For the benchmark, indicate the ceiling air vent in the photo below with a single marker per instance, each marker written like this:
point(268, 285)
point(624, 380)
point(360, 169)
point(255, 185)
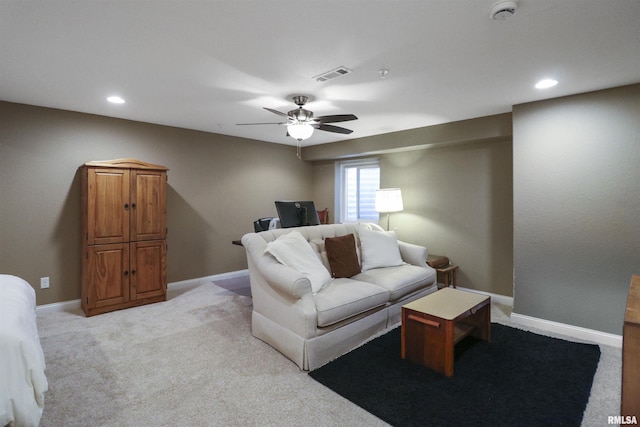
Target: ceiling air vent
point(340, 71)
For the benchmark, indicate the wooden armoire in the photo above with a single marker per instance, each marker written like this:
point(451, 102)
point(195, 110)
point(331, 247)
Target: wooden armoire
point(124, 231)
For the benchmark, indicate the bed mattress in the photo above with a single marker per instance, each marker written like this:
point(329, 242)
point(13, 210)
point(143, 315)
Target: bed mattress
point(22, 361)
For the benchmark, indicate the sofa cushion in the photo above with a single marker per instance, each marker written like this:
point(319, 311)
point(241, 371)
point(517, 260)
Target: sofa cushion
point(293, 250)
point(342, 255)
point(399, 281)
point(379, 249)
point(344, 298)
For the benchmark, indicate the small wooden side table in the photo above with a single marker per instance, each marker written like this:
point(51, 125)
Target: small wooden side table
point(449, 273)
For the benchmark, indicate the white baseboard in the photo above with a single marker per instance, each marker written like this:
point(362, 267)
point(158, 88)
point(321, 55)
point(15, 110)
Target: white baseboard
point(578, 332)
point(75, 304)
point(57, 306)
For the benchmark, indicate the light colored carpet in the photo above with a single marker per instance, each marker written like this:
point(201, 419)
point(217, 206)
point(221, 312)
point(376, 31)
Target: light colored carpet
point(192, 361)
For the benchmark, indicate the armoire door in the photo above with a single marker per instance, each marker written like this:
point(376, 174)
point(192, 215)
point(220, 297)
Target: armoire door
point(108, 281)
point(148, 269)
point(108, 206)
point(148, 203)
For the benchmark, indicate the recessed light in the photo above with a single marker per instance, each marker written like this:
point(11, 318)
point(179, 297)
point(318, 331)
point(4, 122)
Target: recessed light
point(115, 100)
point(546, 83)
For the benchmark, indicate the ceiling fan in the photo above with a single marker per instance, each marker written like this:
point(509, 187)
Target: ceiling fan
point(301, 123)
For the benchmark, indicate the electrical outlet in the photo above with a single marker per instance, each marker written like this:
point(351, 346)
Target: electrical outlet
point(44, 282)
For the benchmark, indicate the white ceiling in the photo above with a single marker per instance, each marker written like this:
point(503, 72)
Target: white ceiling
point(208, 65)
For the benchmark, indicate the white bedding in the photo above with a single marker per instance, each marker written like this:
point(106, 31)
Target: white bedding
point(22, 379)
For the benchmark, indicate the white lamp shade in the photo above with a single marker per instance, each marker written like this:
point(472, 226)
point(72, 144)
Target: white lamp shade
point(389, 200)
point(300, 131)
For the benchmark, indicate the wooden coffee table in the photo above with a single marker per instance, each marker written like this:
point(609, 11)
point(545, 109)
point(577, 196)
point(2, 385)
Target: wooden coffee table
point(432, 325)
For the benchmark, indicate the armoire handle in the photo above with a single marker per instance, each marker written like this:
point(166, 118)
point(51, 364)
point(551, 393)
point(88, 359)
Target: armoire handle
point(133, 205)
point(126, 205)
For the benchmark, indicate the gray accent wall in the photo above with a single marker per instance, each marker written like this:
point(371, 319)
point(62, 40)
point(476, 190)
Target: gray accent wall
point(576, 184)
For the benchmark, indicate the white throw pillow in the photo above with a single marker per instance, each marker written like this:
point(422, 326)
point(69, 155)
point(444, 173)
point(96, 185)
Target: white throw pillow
point(293, 250)
point(321, 251)
point(379, 249)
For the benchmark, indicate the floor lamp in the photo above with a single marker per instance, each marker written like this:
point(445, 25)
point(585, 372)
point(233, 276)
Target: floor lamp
point(389, 200)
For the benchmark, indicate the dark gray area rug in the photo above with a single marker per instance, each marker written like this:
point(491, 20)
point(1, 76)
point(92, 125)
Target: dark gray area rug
point(519, 378)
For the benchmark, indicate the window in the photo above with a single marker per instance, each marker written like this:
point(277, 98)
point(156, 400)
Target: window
point(356, 185)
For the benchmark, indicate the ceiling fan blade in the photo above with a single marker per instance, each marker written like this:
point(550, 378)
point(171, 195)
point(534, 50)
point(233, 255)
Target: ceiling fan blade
point(331, 128)
point(276, 112)
point(336, 118)
point(270, 123)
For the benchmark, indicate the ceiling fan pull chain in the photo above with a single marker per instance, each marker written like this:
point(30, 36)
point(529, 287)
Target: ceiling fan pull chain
point(299, 154)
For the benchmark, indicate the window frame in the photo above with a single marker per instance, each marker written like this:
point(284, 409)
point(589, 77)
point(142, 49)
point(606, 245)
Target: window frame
point(340, 185)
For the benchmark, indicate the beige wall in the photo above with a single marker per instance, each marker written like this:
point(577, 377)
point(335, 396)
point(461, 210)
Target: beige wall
point(478, 129)
point(573, 157)
point(457, 191)
point(458, 203)
point(217, 186)
point(324, 187)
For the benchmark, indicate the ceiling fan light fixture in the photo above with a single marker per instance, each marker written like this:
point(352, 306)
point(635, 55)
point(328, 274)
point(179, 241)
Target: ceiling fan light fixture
point(301, 122)
point(301, 114)
point(300, 131)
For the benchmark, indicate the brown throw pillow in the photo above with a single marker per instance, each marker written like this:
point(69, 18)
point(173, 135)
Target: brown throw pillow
point(343, 258)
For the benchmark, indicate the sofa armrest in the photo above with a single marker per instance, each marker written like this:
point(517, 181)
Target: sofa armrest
point(269, 271)
point(284, 278)
point(413, 254)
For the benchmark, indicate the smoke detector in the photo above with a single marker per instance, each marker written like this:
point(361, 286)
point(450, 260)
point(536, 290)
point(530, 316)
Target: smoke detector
point(503, 10)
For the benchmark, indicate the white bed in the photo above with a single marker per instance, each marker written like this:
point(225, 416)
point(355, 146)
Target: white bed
point(22, 378)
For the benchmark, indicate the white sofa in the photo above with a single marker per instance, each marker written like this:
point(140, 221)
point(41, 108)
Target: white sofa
point(314, 327)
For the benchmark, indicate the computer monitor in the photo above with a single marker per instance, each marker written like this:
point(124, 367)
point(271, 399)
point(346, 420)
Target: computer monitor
point(297, 213)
